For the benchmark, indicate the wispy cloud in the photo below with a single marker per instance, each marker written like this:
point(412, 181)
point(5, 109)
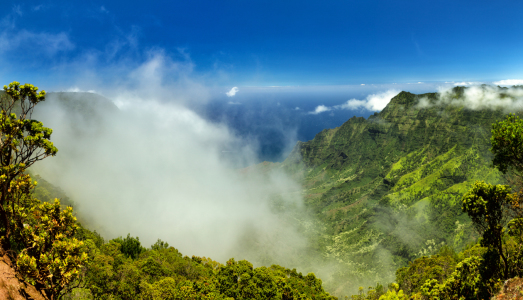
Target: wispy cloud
point(509, 82)
point(319, 109)
point(479, 97)
point(17, 10)
point(22, 40)
point(233, 103)
point(197, 200)
point(467, 83)
point(37, 7)
point(41, 42)
point(374, 102)
point(75, 89)
point(232, 92)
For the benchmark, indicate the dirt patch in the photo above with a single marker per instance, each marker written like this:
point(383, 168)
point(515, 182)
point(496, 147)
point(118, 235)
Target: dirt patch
point(512, 290)
point(11, 288)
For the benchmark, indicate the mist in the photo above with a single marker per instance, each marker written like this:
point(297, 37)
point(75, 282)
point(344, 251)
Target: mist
point(478, 97)
point(152, 167)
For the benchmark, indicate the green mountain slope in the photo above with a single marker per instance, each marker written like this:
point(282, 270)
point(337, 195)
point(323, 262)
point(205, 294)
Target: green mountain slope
point(388, 188)
point(383, 190)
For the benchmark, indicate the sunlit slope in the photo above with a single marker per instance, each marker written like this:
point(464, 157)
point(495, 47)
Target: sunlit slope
point(389, 187)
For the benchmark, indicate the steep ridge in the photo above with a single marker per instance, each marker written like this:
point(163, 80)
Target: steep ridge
point(388, 188)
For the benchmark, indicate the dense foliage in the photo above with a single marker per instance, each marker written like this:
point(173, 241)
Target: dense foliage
point(388, 189)
point(162, 272)
point(479, 271)
point(38, 237)
point(395, 197)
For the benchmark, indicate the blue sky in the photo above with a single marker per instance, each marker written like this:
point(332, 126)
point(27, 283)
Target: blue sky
point(222, 44)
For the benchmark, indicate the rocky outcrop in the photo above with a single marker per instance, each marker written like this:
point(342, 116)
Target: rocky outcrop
point(11, 288)
point(512, 290)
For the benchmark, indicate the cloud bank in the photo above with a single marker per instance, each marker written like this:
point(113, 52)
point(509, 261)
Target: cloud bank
point(156, 169)
point(509, 82)
point(480, 97)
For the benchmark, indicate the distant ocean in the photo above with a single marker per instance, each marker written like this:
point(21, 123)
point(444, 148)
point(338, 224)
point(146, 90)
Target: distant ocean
point(275, 122)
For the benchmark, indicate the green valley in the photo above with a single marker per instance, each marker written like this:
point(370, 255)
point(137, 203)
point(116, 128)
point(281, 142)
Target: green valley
point(392, 209)
point(388, 189)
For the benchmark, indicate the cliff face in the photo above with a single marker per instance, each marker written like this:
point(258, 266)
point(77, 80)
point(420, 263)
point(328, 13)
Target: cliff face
point(388, 188)
point(398, 148)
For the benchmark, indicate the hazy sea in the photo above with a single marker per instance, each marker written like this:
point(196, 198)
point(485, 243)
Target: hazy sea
point(273, 123)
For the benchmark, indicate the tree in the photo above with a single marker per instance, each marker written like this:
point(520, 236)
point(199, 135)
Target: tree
point(38, 236)
point(52, 258)
point(489, 207)
point(23, 142)
point(130, 246)
point(507, 144)
point(494, 208)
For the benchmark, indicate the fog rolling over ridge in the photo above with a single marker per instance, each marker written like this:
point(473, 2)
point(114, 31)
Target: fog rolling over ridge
point(158, 170)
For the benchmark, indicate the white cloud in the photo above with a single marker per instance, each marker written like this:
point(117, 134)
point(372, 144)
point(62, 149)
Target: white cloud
point(480, 97)
point(319, 109)
point(509, 82)
point(40, 42)
point(232, 92)
point(162, 171)
point(233, 103)
point(363, 84)
point(467, 83)
point(297, 108)
point(374, 102)
point(75, 89)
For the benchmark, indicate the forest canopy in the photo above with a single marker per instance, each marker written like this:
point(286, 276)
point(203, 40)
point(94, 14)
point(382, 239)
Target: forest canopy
point(52, 251)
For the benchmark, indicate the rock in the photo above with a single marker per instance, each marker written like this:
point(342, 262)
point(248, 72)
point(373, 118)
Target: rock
point(512, 290)
point(11, 288)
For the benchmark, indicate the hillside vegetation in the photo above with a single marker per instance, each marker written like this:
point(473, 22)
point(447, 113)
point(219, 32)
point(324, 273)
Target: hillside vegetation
point(409, 202)
point(389, 189)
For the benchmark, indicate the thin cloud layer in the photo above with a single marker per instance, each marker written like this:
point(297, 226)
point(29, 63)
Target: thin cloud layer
point(374, 102)
point(480, 97)
point(13, 38)
point(509, 82)
point(467, 83)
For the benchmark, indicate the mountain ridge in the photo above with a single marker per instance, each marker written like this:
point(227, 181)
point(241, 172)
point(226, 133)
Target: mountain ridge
point(388, 188)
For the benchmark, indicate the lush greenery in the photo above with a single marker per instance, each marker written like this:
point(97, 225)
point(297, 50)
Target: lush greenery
point(39, 237)
point(416, 194)
point(477, 272)
point(51, 251)
point(388, 189)
point(115, 270)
